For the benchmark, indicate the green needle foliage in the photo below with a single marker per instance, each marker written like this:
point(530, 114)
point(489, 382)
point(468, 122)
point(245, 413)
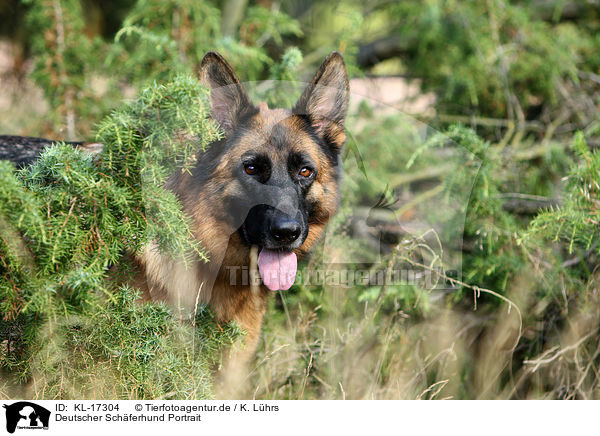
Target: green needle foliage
point(577, 220)
point(66, 58)
point(128, 350)
point(69, 219)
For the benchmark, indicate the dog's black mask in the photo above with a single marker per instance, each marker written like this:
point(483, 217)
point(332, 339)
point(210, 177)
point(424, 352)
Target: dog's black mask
point(277, 213)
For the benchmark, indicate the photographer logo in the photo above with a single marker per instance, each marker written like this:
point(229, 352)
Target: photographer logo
point(26, 415)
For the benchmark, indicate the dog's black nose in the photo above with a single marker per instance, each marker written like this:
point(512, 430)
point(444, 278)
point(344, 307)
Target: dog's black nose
point(285, 230)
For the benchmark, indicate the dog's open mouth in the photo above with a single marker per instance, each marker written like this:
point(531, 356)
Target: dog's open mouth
point(277, 268)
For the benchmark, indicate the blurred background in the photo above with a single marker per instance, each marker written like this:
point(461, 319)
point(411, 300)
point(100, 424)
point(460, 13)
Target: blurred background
point(471, 165)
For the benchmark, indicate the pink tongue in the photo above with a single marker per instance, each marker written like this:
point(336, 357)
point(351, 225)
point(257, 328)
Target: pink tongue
point(277, 268)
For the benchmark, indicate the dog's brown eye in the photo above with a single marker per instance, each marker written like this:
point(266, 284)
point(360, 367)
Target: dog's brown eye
point(250, 170)
point(305, 172)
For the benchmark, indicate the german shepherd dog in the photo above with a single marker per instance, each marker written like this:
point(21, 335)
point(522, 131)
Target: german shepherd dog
point(271, 183)
point(259, 197)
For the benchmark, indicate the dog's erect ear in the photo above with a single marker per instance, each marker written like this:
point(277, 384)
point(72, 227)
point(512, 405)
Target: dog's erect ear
point(325, 100)
point(228, 99)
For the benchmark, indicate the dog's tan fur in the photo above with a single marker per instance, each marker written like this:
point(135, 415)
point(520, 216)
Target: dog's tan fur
point(208, 283)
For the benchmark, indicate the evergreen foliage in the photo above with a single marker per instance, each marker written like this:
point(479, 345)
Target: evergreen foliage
point(509, 65)
point(577, 220)
point(127, 350)
point(69, 218)
point(65, 60)
point(162, 38)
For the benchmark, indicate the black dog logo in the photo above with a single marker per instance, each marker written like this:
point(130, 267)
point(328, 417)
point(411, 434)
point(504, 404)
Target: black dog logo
point(30, 415)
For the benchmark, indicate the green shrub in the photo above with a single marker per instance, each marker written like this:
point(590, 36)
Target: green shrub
point(68, 220)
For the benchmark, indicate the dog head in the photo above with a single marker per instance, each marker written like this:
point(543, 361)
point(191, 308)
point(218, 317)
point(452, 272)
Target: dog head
point(276, 172)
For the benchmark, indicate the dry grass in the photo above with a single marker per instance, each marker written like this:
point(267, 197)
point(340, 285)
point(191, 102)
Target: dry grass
point(450, 352)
